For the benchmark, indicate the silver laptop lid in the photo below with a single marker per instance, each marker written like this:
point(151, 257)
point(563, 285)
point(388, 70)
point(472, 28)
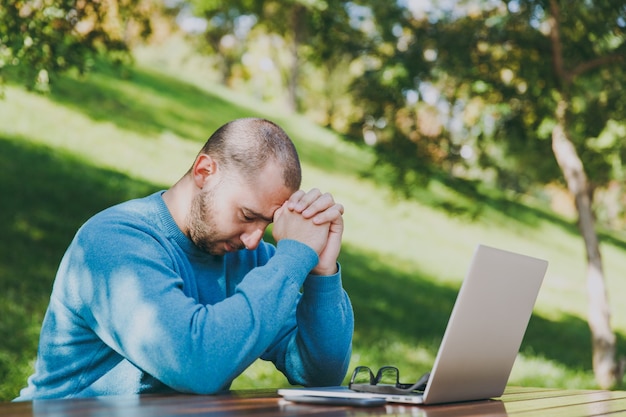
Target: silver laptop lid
point(486, 327)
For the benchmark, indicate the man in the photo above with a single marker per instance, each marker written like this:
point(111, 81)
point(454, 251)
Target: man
point(178, 291)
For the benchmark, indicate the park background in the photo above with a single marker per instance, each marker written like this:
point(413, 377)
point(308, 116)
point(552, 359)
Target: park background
point(432, 147)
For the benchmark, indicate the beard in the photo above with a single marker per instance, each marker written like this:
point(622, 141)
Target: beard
point(203, 228)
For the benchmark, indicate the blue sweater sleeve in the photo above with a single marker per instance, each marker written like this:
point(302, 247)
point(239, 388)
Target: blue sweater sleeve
point(318, 349)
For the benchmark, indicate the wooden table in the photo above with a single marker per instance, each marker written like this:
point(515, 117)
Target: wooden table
point(515, 402)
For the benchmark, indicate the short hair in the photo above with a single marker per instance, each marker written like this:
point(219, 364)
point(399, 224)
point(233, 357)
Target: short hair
point(246, 145)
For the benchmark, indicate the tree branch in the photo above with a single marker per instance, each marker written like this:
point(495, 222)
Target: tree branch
point(557, 51)
point(592, 64)
point(555, 38)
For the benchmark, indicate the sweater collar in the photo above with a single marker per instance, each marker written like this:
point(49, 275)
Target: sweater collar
point(172, 230)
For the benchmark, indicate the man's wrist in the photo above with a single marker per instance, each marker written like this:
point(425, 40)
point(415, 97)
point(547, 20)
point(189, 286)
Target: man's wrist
point(325, 272)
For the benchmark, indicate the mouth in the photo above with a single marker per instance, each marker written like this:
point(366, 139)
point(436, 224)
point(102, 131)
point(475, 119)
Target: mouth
point(229, 247)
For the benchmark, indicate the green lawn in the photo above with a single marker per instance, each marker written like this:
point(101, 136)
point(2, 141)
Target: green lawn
point(101, 140)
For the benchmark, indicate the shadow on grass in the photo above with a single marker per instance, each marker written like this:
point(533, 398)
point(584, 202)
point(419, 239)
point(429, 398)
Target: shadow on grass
point(392, 305)
point(567, 341)
point(151, 103)
point(145, 102)
point(472, 201)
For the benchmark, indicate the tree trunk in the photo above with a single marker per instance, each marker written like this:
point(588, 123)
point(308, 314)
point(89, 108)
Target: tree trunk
point(605, 367)
point(298, 29)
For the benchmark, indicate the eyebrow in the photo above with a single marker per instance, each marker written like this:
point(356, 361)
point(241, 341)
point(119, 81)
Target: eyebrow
point(253, 213)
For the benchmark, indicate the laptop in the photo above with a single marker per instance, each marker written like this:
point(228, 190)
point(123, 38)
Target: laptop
point(481, 340)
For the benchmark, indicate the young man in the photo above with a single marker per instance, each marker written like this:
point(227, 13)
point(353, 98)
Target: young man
point(178, 291)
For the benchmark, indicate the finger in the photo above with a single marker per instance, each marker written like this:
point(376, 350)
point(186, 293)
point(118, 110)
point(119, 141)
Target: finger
point(307, 200)
point(279, 211)
point(294, 199)
point(331, 215)
point(322, 203)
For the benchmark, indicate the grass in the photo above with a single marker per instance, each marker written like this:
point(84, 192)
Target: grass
point(101, 140)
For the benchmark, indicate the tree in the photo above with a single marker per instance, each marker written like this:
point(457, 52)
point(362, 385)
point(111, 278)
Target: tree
point(41, 39)
point(313, 32)
point(285, 19)
point(407, 144)
point(227, 25)
point(335, 39)
point(526, 79)
point(608, 370)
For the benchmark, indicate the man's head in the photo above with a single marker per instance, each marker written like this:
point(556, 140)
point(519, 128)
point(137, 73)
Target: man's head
point(246, 170)
point(246, 145)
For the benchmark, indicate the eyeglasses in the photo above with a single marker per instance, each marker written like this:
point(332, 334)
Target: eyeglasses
point(386, 381)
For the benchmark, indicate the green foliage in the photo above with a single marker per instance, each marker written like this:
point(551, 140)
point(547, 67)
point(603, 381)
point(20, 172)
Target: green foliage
point(39, 40)
point(494, 72)
point(316, 34)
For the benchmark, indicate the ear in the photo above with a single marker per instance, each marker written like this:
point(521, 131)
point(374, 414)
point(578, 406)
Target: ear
point(203, 169)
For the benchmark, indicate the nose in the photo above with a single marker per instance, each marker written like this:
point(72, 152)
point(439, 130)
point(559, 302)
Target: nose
point(251, 238)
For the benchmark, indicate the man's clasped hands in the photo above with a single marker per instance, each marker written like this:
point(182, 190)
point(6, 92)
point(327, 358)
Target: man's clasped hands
point(315, 219)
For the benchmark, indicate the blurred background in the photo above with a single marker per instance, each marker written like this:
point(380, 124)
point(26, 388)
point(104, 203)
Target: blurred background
point(438, 124)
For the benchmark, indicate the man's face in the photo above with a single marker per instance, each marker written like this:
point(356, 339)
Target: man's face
point(230, 213)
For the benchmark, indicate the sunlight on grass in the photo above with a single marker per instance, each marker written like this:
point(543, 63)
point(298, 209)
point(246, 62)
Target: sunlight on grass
point(539, 372)
point(261, 374)
point(161, 160)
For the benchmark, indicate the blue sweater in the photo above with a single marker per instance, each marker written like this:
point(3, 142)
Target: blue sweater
point(136, 307)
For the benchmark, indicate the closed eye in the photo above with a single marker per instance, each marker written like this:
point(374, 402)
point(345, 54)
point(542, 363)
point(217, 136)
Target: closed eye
point(251, 216)
point(248, 218)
